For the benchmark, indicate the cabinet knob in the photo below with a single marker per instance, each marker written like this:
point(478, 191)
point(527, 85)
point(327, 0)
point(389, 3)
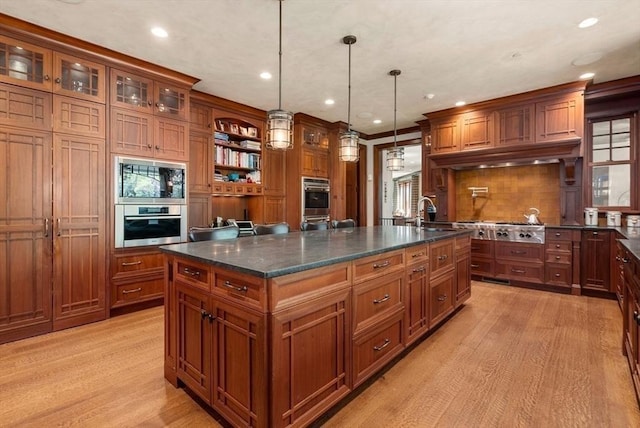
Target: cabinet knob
point(557, 234)
point(46, 77)
point(149, 146)
point(557, 257)
point(157, 147)
point(57, 80)
point(150, 103)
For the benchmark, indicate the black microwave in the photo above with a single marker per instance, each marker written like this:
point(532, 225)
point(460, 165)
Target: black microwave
point(144, 181)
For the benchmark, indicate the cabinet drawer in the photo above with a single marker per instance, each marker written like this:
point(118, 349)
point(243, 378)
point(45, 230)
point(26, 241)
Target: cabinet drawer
point(558, 235)
point(480, 247)
point(559, 246)
point(124, 264)
point(518, 251)
point(375, 299)
point(217, 188)
point(558, 274)
point(520, 271)
point(561, 258)
point(245, 288)
point(441, 298)
point(374, 350)
point(482, 267)
point(463, 244)
point(379, 264)
point(133, 292)
point(193, 273)
point(441, 257)
point(417, 253)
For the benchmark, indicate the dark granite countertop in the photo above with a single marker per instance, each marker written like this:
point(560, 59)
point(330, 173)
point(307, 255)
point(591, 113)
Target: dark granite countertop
point(633, 245)
point(269, 256)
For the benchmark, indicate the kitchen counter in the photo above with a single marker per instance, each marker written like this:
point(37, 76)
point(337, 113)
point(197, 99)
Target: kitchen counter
point(269, 256)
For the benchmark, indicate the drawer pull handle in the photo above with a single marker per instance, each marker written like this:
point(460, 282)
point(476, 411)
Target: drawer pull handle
point(242, 289)
point(518, 271)
point(595, 233)
point(135, 290)
point(557, 245)
point(443, 257)
point(557, 234)
point(384, 299)
point(557, 257)
point(46, 227)
point(625, 260)
point(381, 347)
point(381, 265)
point(475, 266)
point(417, 255)
point(131, 263)
point(442, 298)
point(518, 252)
point(206, 316)
point(420, 269)
point(188, 271)
point(557, 275)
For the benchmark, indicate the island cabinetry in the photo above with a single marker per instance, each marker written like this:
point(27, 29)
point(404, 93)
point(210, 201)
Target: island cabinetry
point(148, 117)
point(558, 257)
point(483, 257)
point(463, 271)
point(136, 276)
point(310, 343)
point(631, 318)
point(520, 262)
point(622, 257)
point(416, 295)
point(596, 252)
point(442, 278)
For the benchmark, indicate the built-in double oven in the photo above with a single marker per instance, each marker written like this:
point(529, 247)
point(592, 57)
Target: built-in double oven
point(150, 202)
point(315, 199)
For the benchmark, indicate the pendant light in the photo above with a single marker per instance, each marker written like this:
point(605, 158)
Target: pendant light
point(395, 156)
point(279, 122)
point(349, 139)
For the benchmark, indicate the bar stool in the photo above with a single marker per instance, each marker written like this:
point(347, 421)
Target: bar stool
point(340, 224)
point(213, 233)
point(271, 229)
point(321, 225)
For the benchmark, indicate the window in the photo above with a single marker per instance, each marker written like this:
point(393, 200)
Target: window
point(611, 159)
point(403, 202)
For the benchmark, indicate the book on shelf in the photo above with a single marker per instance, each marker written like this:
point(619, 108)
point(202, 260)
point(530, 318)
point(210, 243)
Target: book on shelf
point(221, 136)
point(249, 144)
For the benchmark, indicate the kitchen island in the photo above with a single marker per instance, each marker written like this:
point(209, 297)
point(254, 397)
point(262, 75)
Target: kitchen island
point(274, 330)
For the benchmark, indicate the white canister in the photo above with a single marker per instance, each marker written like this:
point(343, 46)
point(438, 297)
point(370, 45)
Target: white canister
point(633, 221)
point(614, 218)
point(590, 216)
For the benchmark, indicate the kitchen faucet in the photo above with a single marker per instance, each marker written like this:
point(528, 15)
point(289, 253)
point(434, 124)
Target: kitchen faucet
point(421, 202)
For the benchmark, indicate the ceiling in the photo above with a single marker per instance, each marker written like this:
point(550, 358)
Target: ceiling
point(467, 50)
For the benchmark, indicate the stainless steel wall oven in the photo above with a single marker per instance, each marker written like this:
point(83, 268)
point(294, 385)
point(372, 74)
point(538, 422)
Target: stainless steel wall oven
point(139, 225)
point(315, 199)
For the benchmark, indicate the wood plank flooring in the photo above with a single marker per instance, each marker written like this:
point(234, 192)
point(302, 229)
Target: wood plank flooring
point(510, 358)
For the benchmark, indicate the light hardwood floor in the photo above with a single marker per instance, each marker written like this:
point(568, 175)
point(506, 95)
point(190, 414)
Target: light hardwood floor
point(510, 358)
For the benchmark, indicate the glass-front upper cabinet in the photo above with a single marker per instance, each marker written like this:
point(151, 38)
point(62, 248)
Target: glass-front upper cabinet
point(25, 64)
point(79, 78)
point(131, 91)
point(611, 161)
point(171, 101)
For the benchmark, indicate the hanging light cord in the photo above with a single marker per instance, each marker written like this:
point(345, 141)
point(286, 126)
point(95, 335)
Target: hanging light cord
point(349, 98)
point(280, 60)
point(395, 97)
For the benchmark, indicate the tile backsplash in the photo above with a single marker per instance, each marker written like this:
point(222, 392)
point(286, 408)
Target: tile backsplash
point(512, 191)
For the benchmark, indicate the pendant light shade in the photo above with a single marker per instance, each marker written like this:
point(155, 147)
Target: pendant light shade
point(279, 122)
point(395, 156)
point(349, 150)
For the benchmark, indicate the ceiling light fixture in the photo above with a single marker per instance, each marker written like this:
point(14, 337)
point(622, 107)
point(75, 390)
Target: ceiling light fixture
point(265, 75)
point(460, 103)
point(349, 140)
point(329, 102)
point(395, 156)
point(585, 76)
point(377, 121)
point(279, 122)
point(159, 32)
point(588, 22)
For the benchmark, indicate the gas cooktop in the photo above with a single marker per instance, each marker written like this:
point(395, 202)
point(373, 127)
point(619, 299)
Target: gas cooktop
point(503, 231)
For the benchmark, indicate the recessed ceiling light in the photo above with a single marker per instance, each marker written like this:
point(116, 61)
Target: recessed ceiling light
point(265, 75)
point(460, 103)
point(588, 22)
point(329, 102)
point(159, 32)
point(377, 121)
point(429, 96)
point(587, 75)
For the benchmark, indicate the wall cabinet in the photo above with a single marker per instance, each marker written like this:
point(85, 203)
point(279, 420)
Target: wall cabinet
point(445, 135)
point(560, 118)
point(515, 125)
point(596, 250)
point(477, 130)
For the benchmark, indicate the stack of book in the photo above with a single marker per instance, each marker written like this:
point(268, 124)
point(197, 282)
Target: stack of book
point(248, 144)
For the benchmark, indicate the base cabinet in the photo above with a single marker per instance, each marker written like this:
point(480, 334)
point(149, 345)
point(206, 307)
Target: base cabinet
point(631, 317)
point(596, 260)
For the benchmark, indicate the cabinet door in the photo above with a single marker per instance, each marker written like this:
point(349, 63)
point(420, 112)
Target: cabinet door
point(274, 172)
point(25, 233)
point(79, 78)
point(477, 130)
point(308, 165)
point(516, 125)
point(441, 298)
point(240, 375)
point(199, 210)
point(131, 91)
point(200, 162)
point(310, 338)
point(274, 209)
point(25, 107)
point(322, 163)
point(194, 322)
point(79, 242)
point(200, 118)
point(171, 101)
point(315, 137)
point(595, 269)
point(25, 64)
point(463, 278)
point(131, 133)
point(416, 301)
point(80, 117)
point(445, 135)
point(560, 118)
point(171, 139)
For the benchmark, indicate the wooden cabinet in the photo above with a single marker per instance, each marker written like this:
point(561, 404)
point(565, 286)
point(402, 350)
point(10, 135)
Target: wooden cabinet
point(416, 294)
point(445, 135)
point(79, 117)
point(79, 78)
point(515, 125)
point(201, 167)
point(22, 107)
point(136, 276)
point(558, 257)
point(315, 150)
point(441, 297)
point(560, 118)
point(596, 251)
point(622, 257)
point(26, 64)
point(631, 318)
point(483, 257)
point(520, 262)
point(148, 118)
point(463, 270)
point(477, 130)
